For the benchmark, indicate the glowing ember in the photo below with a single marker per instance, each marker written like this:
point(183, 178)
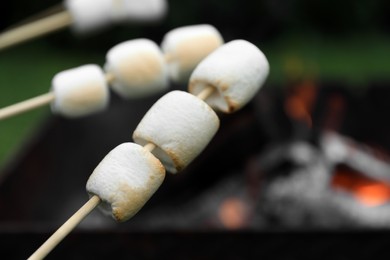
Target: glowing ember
point(370, 192)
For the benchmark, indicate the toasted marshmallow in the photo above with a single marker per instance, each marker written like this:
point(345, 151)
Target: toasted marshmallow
point(236, 70)
point(90, 15)
point(138, 68)
point(186, 46)
point(180, 125)
point(80, 91)
point(125, 180)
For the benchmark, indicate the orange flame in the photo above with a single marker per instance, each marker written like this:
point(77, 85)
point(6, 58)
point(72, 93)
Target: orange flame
point(370, 192)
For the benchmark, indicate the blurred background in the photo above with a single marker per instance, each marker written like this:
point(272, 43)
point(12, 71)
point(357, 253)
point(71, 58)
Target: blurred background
point(310, 153)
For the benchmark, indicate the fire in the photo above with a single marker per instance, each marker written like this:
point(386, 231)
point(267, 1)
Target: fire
point(371, 193)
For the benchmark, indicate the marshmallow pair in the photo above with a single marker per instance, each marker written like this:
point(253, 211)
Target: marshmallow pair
point(137, 68)
point(134, 69)
point(90, 15)
point(180, 125)
point(139, 65)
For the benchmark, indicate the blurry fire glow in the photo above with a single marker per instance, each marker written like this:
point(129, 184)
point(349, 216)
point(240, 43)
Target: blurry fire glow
point(368, 191)
point(233, 213)
point(300, 103)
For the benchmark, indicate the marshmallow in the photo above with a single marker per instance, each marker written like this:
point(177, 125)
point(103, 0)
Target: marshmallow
point(80, 91)
point(180, 125)
point(89, 15)
point(138, 10)
point(236, 70)
point(94, 14)
point(125, 180)
point(186, 46)
point(138, 68)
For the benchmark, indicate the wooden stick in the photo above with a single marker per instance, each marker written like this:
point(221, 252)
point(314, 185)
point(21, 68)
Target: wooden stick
point(150, 147)
point(55, 9)
point(35, 29)
point(206, 93)
point(26, 105)
point(168, 57)
point(65, 229)
point(110, 78)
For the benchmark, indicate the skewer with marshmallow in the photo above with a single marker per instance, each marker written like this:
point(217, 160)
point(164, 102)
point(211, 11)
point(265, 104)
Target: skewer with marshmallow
point(134, 68)
point(85, 16)
point(171, 135)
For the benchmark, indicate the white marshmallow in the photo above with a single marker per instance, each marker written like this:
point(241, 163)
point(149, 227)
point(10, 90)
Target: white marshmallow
point(94, 14)
point(138, 68)
point(138, 10)
point(236, 70)
point(125, 180)
point(186, 46)
point(80, 91)
point(89, 14)
point(180, 125)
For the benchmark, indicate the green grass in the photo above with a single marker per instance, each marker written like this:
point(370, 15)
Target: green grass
point(356, 59)
point(26, 71)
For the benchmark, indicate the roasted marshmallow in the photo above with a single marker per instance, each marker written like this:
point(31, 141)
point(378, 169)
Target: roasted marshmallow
point(236, 70)
point(125, 180)
point(180, 125)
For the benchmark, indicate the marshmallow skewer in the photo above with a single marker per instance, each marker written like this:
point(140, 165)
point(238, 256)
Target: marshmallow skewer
point(129, 175)
point(85, 16)
point(133, 69)
point(35, 102)
point(85, 210)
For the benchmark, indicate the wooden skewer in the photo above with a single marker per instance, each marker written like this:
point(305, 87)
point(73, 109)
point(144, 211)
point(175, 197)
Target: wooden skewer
point(110, 78)
point(35, 29)
point(65, 229)
point(150, 147)
point(83, 212)
point(26, 105)
point(205, 93)
point(168, 57)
